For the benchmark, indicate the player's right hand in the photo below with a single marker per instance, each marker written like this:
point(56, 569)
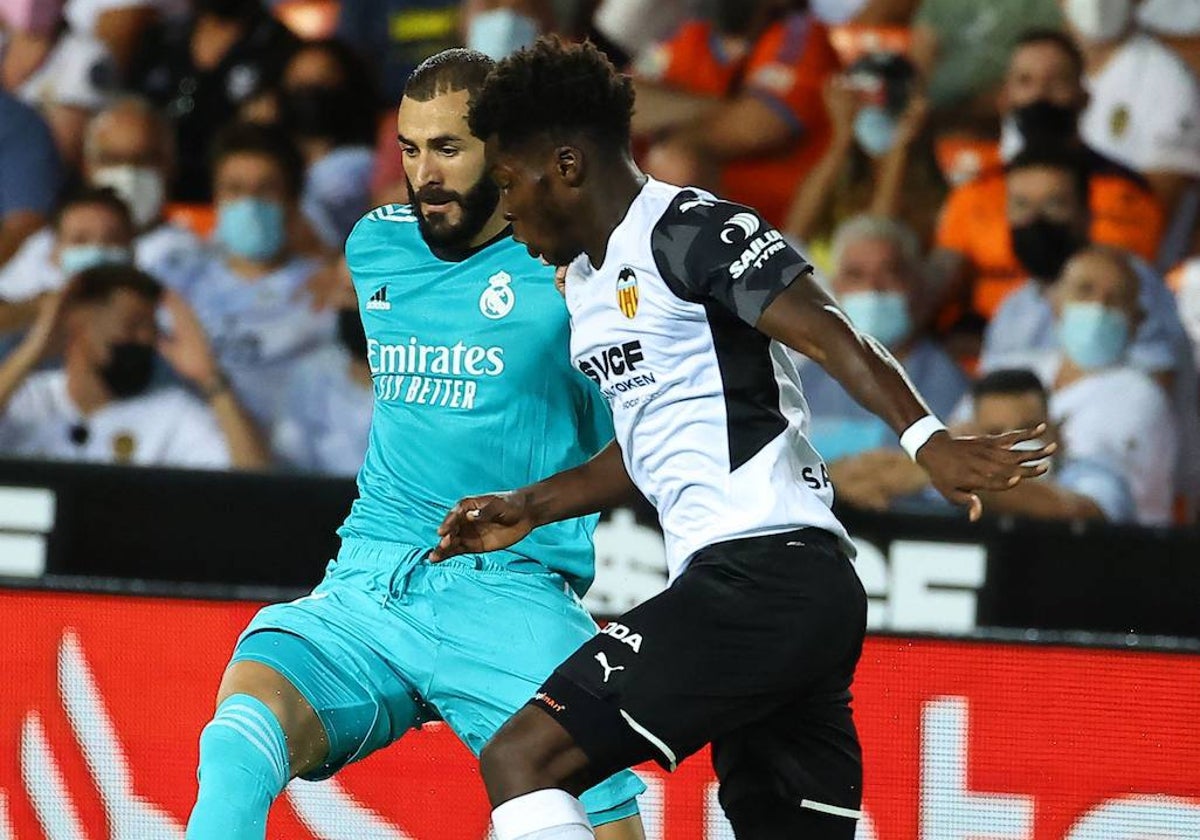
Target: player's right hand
point(480, 524)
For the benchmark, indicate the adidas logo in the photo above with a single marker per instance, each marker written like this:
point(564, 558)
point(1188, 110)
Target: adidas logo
point(379, 299)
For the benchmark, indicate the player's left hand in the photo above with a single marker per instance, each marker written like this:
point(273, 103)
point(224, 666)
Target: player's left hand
point(960, 466)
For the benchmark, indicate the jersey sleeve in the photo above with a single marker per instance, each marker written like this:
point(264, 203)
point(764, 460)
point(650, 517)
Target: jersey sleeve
point(711, 250)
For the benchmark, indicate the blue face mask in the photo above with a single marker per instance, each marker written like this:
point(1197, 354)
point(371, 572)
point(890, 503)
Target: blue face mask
point(76, 258)
point(883, 315)
point(875, 130)
point(251, 228)
point(1092, 335)
point(501, 32)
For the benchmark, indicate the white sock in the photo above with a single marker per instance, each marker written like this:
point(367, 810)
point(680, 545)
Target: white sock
point(550, 814)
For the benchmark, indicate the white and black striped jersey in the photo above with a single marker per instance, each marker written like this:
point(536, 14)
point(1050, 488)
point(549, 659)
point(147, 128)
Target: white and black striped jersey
point(708, 411)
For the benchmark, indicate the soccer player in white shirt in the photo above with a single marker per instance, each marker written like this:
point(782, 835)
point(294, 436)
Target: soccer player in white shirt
point(100, 405)
point(683, 310)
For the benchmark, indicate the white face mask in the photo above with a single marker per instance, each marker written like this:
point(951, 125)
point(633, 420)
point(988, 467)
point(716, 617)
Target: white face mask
point(1099, 20)
point(140, 187)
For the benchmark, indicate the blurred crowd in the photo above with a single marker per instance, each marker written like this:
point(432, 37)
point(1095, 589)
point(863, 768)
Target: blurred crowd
point(1004, 192)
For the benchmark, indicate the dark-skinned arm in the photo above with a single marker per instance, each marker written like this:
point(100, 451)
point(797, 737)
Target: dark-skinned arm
point(491, 522)
point(805, 318)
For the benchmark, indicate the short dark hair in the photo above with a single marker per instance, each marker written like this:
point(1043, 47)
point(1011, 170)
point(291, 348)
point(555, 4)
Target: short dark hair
point(1051, 155)
point(1057, 38)
point(1009, 382)
point(99, 283)
point(103, 196)
point(269, 141)
point(449, 71)
point(555, 87)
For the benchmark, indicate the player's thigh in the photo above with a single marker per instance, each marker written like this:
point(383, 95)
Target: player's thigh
point(502, 634)
point(324, 649)
point(747, 629)
point(806, 753)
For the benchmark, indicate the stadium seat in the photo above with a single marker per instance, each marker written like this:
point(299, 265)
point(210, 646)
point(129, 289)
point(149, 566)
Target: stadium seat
point(309, 19)
point(198, 218)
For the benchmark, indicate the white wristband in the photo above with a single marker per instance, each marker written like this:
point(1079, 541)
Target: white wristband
point(919, 433)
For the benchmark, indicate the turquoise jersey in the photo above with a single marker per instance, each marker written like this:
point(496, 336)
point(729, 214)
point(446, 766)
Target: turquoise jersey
point(474, 389)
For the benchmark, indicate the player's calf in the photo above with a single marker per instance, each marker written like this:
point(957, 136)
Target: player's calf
point(534, 772)
point(262, 734)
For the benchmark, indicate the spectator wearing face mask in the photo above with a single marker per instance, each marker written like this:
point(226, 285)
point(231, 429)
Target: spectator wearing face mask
point(91, 227)
point(128, 147)
point(327, 105)
point(875, 281)
point(100, 405)
point(200, 69)
point(329, 400)
point(1002, 401)
point(1108, 408)
point(878, 160)
point(1047, 217)
point(250, 292)
point(734, 102)
point(1041, 101)
point(1144, 99)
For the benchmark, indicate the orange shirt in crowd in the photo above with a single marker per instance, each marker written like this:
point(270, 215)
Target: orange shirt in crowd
point(786, 68)
point(974, 223)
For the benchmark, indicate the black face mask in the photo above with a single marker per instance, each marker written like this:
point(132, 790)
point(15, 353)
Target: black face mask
point(1043, 121)
point(1043, 247)
point(129, 369)
point(319, 113)
point(351, 333)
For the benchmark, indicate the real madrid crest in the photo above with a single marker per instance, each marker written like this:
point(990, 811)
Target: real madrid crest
point(498, 298)
point(627, 292)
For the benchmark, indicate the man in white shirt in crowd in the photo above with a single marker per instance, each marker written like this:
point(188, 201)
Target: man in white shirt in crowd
point(249, 293)
point(90, 227)
point(1145, 103)
point(1073, 488)
point(1108, 409)
point(876, 278)
point(100, 406)
point(326, 416)
point(129, 147)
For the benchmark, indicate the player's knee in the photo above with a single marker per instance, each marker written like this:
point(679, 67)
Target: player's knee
point(243, 746)
point(529, 753)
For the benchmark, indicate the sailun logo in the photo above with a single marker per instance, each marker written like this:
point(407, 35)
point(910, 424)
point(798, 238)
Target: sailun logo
point(744, 223)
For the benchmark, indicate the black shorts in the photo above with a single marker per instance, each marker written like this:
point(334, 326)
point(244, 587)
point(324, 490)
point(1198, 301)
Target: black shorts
point(752, 648)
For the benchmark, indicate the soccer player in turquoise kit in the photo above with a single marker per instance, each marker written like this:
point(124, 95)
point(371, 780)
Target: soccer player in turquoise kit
point(467, 341)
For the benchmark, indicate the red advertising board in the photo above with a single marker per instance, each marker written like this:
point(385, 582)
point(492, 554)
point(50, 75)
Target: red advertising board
point(103, 699)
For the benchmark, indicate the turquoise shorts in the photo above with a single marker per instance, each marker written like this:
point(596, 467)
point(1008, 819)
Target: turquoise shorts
point(388, 641)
